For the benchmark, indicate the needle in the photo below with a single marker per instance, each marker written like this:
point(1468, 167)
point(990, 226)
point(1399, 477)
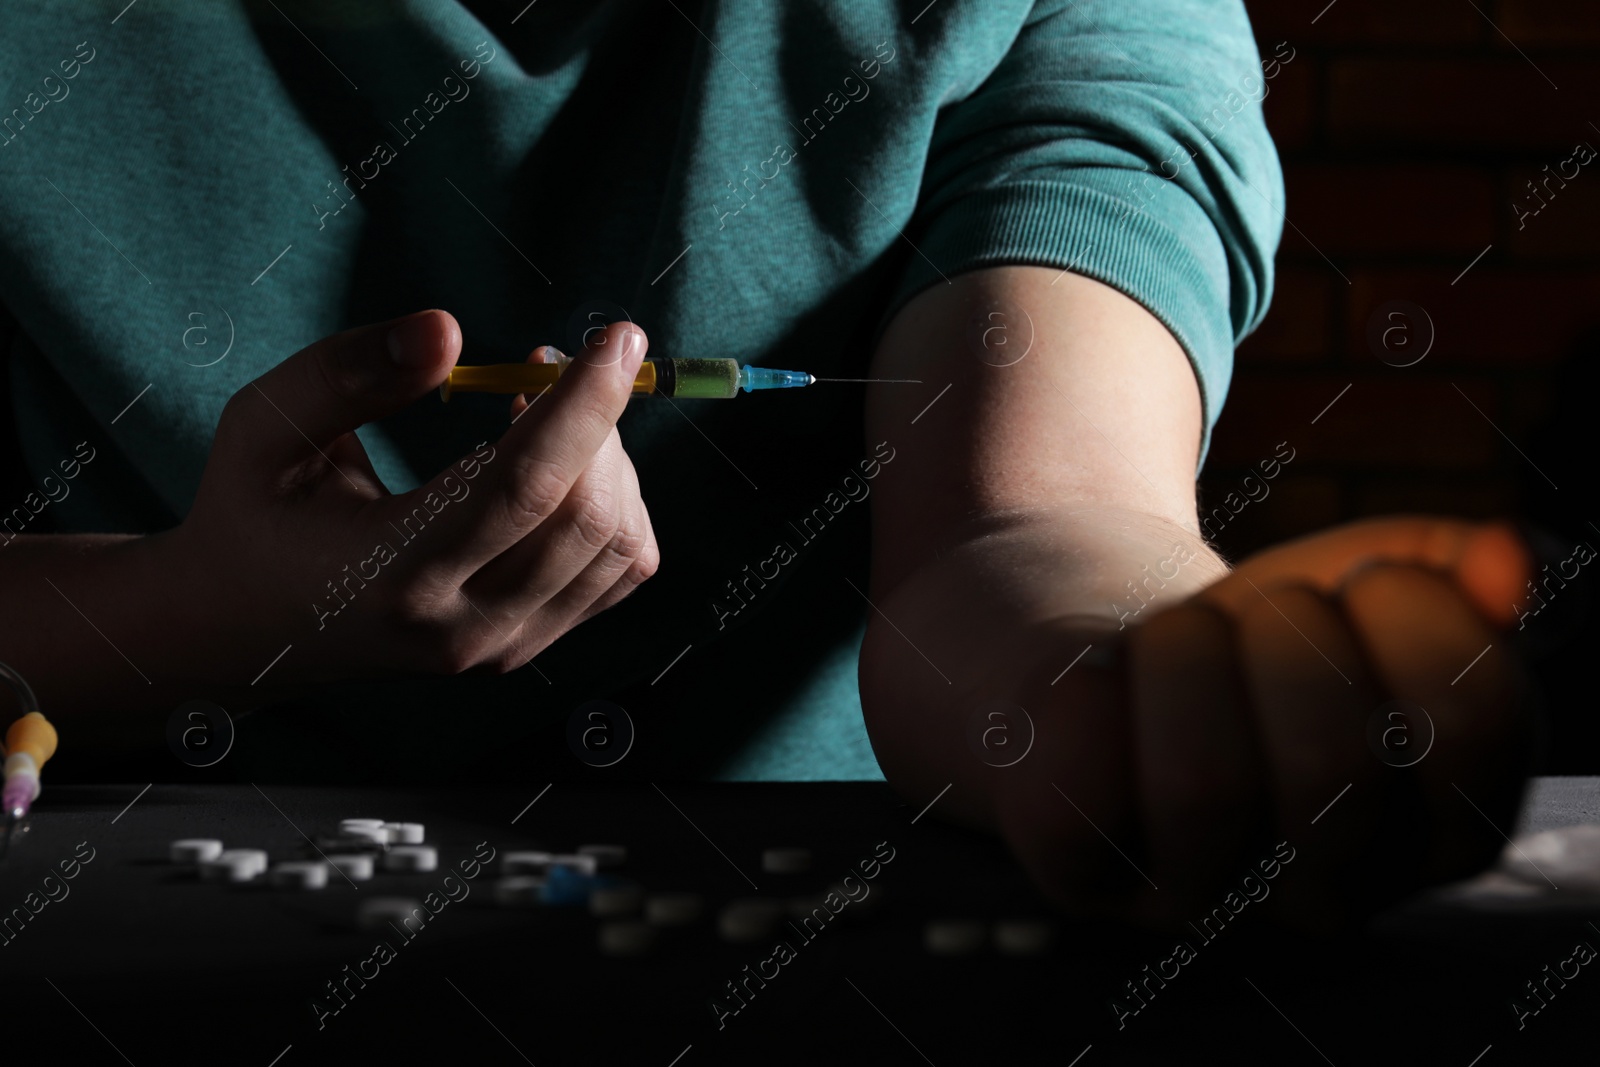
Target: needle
point(907, 381)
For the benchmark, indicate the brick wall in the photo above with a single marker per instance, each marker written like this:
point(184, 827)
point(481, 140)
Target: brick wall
point(1408, 131)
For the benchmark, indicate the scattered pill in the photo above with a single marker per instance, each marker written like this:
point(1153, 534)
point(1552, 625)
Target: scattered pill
point(540, 862)
point(357, 866)
point(369, 824)
point(1023, 937)
point(299, 874)
point(380, 835)
point(1569, 857)
point(525, 862)
point(564, 886)
point(379, 912)
point(786, 860)
point(611, 900)
point(519, 891)
point(752, 919)
point(406, 833)
point(952, 938)
point(625, 937)
point(194, 850)
point(234, 865)
point(672, 909)
point(411, 858)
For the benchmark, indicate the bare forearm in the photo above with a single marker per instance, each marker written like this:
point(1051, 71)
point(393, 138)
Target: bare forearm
point(102, 630)
point(1016, 532)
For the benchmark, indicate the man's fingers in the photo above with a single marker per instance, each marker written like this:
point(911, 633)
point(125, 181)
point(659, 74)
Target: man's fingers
point(627, 560)
point(1198, 763)
point(542, 354)
point(1424, 641)
point(1314, 695)
point(542, 455)
point(597, 518)
point(301, 406)
point(1489, 562)
point(1067, 809)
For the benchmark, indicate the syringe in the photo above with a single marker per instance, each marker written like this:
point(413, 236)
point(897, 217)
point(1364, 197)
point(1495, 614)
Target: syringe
point(678, 378)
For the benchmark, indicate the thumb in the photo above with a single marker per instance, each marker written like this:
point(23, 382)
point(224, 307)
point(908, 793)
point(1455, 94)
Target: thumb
point(330, 388)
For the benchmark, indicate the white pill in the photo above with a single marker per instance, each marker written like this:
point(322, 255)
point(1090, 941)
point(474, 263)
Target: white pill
point(743, 921)
point(952, 938)
point(379, 912)
point(786, 860)
point(194, 850)
point(369, 824)
point(625, 937)
point(672, 909)
point(519, 891)
point(411, 858)
point(256, 856)
point(524, 862)
point(616, 900)
point(1569, 857)
point(221, 870)
point(605, 855)
point(379, 835)
point(234, 865)
point(357, 867)
point(299, 874)
point(406, 833)
point(1023, 937)
point(539, 862)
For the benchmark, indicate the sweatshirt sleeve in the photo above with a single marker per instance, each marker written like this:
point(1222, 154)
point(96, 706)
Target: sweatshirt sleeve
point(1123, 140)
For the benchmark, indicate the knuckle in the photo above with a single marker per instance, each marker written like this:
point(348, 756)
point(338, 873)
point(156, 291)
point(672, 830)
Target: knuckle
point(438, 643)
point(1382, 579)
point(337, 376)
point(535, 492)
point(595, 518)
point(627, 543)
point(646, 563)
point(418, 611)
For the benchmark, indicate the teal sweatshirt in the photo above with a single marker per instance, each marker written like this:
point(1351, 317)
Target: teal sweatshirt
point(191, 191)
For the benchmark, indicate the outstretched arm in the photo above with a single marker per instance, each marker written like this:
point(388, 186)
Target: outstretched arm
point(1047, 505)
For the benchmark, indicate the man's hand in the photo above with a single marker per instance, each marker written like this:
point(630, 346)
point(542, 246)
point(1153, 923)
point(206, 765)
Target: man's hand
point(1236, 718)
point(487, 563)
point(294, 541)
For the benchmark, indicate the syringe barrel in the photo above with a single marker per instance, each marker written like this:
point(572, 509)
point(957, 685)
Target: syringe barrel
point(715, 379)
point(681, 378)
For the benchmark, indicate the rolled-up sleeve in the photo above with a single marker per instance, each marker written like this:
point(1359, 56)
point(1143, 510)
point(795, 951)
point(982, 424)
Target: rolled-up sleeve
point(1122, 140)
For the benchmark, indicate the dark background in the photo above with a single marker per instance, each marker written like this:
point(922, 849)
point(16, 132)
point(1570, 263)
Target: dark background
point(1408, 131)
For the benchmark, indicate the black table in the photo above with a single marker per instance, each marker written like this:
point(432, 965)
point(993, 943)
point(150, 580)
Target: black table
point(137, 961)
